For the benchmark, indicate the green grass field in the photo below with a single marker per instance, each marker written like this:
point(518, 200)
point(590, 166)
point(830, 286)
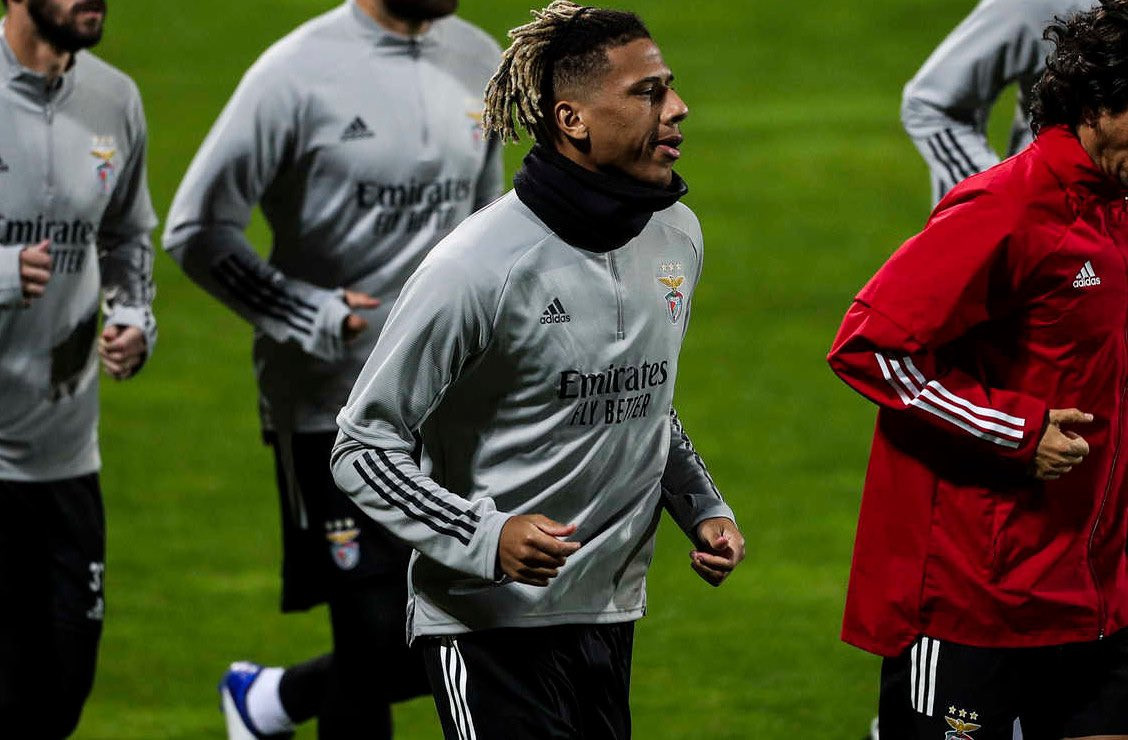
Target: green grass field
point(804, 183)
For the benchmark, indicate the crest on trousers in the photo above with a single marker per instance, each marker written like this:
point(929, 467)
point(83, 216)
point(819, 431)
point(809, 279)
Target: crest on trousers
point(103, 150)
point(669, 275)
point(343, 546)
point(961, 728)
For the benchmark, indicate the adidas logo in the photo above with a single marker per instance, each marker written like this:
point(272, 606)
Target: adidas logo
point(555, 313)
point(1086, 277)
point(356, 130)
point(3, 165)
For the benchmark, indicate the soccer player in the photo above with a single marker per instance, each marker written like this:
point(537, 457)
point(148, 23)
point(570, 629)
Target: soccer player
point(989, 567)
point(945, 107)
point(75, 218)
point(360, 136)
point(535, 351)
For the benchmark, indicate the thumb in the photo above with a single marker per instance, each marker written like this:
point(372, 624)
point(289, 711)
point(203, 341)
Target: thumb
point(356, 299)
point(1069, 416)
point(43, 246)
point(110, 332)
point(553, 528)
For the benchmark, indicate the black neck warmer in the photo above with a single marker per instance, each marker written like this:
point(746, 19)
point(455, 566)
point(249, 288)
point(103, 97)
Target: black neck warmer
point(589, 210)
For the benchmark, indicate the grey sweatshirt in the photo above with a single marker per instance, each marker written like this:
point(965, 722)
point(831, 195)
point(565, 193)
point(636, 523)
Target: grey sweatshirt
point(72, 170)
point(364, 148)
point(541, 377)
point(945, 107)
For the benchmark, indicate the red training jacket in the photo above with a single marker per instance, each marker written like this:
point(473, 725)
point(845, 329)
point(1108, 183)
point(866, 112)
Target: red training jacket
point(1012, 301)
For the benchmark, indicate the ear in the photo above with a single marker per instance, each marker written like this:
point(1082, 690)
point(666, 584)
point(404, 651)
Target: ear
point(569, 119)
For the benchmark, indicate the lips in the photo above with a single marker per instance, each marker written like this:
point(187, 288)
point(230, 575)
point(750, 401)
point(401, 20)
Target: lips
point(669, 146)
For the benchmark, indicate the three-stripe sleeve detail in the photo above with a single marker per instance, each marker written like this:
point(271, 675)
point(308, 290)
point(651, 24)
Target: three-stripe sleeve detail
point(415, 501)
point(940, 158)
point(923, 659)
point(957, 167)
point(971, 166)
point(678, 433)
point(932, 397)
point(454, 681)
point(264, 296)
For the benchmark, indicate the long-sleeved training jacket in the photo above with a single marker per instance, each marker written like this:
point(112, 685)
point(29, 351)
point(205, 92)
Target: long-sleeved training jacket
point(1012, 301)
point(72, 171)
point(364, 148)
point(945, 106)
point(542, 377)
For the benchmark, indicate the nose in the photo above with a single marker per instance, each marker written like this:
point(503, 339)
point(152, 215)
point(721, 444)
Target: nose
point(676, 109)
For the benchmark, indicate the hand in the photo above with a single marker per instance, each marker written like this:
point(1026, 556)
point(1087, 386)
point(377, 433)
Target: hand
point(1060, 449)
point(35, 270)
point(530, 549)
point(722, 549)
point(122, 349)
point(354, 325)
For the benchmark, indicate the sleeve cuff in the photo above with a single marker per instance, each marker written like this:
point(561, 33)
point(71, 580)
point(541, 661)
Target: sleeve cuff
point(10, 289)
point(326, 341)
point(137, 317)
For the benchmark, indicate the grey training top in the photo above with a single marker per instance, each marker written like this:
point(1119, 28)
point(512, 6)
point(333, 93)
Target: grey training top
point(72, 170)
point(945, 107)
point(541, 377)
point(364, 149)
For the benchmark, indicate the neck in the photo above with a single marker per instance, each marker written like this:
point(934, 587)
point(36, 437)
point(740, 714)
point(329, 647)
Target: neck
point(391, 22)
point(29, 47)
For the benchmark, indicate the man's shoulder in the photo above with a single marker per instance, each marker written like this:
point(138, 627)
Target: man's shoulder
point(466, 36)
point(104, 79)
point(494, 240)
point(304, 47)
point(681, 217)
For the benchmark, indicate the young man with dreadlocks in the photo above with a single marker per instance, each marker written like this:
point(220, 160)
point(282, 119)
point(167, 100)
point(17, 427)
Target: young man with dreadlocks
point(535, 350)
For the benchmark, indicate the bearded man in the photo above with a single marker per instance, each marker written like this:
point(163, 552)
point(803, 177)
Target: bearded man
point(75, 218)
point(359, 135)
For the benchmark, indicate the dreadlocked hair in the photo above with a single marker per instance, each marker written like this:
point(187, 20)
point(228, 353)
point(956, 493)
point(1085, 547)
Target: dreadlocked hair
point(563, 47)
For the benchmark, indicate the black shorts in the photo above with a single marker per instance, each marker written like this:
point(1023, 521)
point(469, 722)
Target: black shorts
point(328, 543)
point(52, 562)
point(1074, 690)
point(538, 683)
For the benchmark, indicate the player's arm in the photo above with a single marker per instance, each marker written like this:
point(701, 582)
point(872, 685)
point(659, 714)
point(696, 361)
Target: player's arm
point(441, 322)
point(125, 258)
point(692, 499)
point(945, 106)
point(250, 144)
point(938, 287)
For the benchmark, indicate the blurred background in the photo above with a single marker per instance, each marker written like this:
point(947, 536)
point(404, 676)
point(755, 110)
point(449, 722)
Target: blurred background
point(804, 183)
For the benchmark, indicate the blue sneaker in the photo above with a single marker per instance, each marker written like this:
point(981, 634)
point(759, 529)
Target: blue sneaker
point(233, 689)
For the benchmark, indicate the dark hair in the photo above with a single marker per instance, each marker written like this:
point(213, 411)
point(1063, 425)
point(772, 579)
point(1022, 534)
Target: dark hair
point(1087, 72)
point(564, 47)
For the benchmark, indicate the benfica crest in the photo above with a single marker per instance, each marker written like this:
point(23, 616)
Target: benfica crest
point(103, 151)
point(960, 730)
point(675, 300)
point(343, 546)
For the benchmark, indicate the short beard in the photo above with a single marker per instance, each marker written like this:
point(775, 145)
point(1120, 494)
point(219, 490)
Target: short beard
point(65, 36)
point(420, 10)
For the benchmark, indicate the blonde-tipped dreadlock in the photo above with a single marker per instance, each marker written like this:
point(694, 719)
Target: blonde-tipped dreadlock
point(516, 93)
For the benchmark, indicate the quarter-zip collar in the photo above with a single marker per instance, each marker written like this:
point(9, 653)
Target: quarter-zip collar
point(589, 210)
point(1063, 154)
point(32, 85)
point(387, 40)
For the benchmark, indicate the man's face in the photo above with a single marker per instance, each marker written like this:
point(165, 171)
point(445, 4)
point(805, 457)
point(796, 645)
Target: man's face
point(68, 25)
point(421, 10)
point(632, 115)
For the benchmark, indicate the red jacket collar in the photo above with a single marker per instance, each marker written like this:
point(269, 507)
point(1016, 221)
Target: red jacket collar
point(1062, 152)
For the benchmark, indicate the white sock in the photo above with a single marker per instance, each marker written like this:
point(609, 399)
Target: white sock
point(264, 704)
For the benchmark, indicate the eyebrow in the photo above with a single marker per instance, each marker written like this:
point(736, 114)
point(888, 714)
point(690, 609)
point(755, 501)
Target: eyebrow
point(662, 80)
